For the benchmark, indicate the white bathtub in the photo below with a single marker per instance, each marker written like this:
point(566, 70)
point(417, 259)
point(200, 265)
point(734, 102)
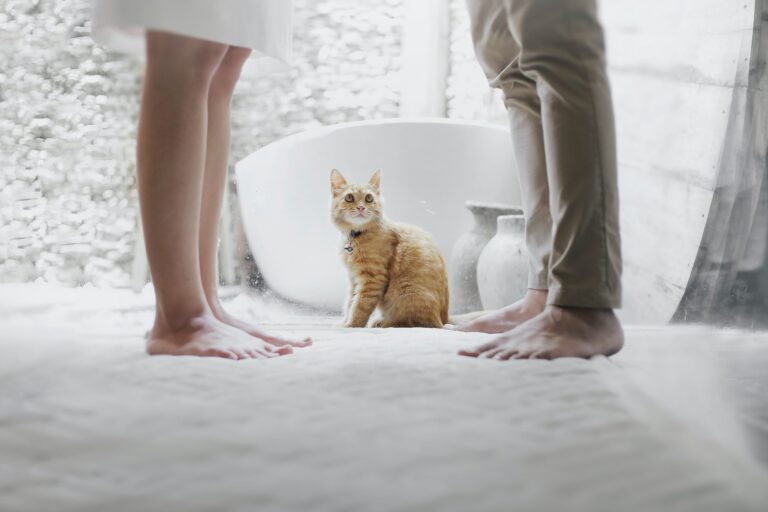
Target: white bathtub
point(430, 168)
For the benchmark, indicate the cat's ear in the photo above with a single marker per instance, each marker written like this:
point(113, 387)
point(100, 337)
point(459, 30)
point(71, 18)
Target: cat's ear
point(375, 182)
point(337, 181)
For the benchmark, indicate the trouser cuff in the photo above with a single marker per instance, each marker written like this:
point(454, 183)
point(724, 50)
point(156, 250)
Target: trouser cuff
point(584, 298)
point(537, 282)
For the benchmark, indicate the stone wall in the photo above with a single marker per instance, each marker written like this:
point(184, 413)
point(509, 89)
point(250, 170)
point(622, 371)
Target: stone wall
point(68, 124)
point(468, 94)
point(67, 136)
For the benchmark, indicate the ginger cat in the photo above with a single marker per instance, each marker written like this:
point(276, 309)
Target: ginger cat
point(395, 267)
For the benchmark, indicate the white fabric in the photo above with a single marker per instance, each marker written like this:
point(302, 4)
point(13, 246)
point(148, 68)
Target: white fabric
point(262, 25)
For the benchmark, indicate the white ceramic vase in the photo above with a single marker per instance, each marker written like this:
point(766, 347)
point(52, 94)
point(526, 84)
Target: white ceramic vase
point(502, 269)
point(466, 251)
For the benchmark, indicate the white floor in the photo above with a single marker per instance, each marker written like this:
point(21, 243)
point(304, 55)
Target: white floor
point(368, 420)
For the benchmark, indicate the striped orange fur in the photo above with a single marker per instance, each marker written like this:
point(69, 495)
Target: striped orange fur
point(395, 267)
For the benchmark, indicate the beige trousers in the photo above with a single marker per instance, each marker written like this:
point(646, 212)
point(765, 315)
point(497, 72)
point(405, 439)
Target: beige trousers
point(548, 58)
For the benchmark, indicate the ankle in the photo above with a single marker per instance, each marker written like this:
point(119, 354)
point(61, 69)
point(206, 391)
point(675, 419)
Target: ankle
point(535, 299)
point(591, 315)
point(179, 321)
point(217, 310)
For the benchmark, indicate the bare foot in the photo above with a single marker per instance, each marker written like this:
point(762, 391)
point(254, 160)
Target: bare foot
point(207, 336)
point(223, 316)
point(506, 319)
point(557, 332)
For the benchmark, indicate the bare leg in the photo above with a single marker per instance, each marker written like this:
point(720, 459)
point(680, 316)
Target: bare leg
point(171, 153)
point(509, 317)
point(215, 178)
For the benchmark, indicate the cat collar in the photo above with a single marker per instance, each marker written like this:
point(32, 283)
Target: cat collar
point(352, 235)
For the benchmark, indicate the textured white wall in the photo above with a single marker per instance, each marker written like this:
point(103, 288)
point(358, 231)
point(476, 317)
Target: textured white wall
point(68, 119)
point(468, 94)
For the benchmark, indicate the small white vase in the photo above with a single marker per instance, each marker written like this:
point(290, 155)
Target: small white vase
point(466, 251)
point(502, 270)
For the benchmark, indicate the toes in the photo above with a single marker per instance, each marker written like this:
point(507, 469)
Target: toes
point(278, 350)
point(491, 353)
point(545, 354)
point(278, 342)
point(273, 340)
point(470, 327)
point(241, 353)
point(506, 355)
point(255, 353)
point(486, 326)
point(491, 345)
point(522, 355)
point(475, 352)
point(282, 351)
point(220, 352)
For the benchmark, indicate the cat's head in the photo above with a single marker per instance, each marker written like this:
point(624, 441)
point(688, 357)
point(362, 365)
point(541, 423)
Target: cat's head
point(354, 206)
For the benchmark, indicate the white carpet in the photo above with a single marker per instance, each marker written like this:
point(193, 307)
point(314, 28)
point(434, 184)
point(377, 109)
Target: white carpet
point(365, 420)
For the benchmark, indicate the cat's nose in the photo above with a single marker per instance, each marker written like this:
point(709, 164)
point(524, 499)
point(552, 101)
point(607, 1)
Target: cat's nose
point(361, 209)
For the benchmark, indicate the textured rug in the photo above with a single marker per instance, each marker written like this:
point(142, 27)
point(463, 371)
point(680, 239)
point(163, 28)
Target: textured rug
point(365, 420)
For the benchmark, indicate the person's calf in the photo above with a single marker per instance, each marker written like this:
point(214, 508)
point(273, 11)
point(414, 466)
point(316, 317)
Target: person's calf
point(181, 60)
point(228, 73)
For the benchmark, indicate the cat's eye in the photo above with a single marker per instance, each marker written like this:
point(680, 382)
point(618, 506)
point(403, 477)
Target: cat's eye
point(349, 198)
point(368, 198)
